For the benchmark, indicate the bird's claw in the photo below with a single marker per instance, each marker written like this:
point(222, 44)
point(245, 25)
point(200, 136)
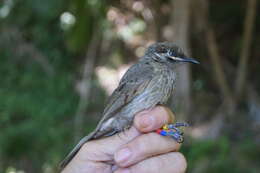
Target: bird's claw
point(173, 131)
point(176, 135)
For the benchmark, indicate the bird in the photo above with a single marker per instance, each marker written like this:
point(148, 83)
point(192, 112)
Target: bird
point(149, 82)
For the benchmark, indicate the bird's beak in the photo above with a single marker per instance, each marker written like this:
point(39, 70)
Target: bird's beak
point(185, 59)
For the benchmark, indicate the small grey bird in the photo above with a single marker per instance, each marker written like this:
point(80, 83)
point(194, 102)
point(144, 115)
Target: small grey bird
point(147, 83)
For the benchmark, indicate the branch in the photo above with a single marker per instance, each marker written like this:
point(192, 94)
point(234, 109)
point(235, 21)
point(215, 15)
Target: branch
point(247, 40)
point(11, 38)
point(217, 67)
point(84, 85)
point(211, 42)
point(36, 55)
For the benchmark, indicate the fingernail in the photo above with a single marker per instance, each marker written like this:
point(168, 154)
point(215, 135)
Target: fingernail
point(122, 155)
point(147, 120)
point(123, 171)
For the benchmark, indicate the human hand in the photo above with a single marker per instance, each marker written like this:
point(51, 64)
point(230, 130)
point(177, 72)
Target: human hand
point(138, 149)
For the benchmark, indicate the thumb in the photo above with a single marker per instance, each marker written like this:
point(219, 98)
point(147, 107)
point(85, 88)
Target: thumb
point(99, 151)
point(116, 141)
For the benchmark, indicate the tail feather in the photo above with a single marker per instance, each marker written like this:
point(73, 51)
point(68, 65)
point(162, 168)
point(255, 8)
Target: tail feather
point(94, 135)
point(75, 150)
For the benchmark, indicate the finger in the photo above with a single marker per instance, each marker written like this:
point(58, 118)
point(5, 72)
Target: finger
point(143, 147)
point(104, 145)
point(173, 162)
point(149, 120)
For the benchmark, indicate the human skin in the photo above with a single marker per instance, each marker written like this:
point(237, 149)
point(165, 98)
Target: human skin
point(138, 149)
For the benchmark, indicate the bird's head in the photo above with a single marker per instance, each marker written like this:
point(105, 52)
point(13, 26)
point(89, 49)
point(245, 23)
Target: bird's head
point(166, 52)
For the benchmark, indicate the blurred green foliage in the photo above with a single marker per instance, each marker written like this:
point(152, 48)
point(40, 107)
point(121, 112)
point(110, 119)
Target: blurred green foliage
point(88, 14)
point(33, 104)
point(222, 155)
point(32, 107)
point(37, 107)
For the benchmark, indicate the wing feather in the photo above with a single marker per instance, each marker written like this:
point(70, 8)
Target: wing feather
point(134, 82)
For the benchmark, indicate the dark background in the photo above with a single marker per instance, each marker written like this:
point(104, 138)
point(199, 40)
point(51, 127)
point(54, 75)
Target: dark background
point(60, 59)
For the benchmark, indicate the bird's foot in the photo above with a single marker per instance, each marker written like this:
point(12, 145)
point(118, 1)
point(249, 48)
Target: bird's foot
point(173, 131)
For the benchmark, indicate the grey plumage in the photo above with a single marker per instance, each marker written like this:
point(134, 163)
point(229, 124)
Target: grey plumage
point(147, 83)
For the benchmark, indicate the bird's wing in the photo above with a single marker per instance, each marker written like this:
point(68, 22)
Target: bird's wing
point(134, 82)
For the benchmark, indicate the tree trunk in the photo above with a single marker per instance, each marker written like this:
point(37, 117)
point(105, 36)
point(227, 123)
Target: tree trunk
point(180, 24)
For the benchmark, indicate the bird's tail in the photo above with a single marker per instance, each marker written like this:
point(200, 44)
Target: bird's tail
point(94, 135)
point(75, 150)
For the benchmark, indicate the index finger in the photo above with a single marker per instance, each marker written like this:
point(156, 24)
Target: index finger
point(150, 120)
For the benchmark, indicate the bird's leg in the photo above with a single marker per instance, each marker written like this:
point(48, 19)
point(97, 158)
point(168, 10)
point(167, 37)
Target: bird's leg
point(123, 131)
point(173, 131)
point(178, 124)
point(178, 137)
point(127, 126)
